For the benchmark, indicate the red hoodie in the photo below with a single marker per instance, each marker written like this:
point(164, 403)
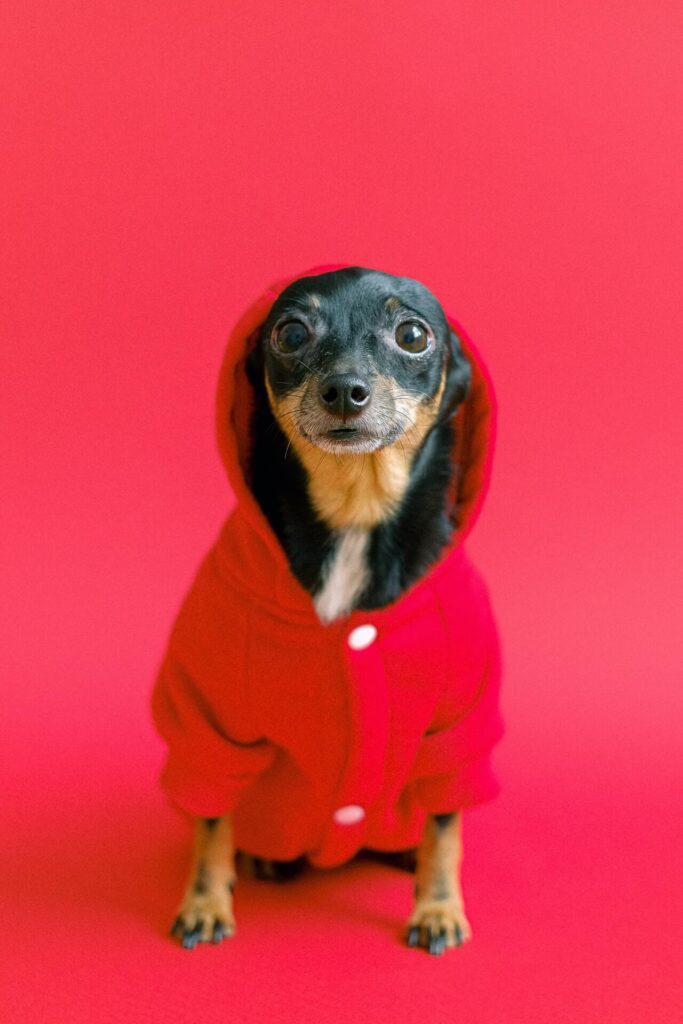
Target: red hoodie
point(322, 739)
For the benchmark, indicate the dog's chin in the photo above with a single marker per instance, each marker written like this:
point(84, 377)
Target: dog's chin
point(351, 440)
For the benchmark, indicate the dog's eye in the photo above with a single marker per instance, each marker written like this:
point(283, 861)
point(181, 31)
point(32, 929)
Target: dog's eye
point(291, 336)
point(412, 337)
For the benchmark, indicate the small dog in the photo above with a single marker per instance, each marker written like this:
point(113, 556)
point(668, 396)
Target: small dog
point(360, 467)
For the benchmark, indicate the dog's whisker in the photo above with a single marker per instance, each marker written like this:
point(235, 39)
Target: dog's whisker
point(287, 416)
point(403, 424)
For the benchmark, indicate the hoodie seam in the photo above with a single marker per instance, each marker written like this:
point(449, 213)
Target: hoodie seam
point(443, 690)
point(247, 674)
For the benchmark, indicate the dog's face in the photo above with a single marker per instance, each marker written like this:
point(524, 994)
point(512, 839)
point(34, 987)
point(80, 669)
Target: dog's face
point(357, 360)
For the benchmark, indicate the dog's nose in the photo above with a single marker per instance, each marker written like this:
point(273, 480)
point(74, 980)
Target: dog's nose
point(344, 394)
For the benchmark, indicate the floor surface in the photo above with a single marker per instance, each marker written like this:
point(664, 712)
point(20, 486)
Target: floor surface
point(573, 888)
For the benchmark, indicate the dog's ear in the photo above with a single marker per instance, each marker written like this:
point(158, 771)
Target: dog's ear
point(458, 377)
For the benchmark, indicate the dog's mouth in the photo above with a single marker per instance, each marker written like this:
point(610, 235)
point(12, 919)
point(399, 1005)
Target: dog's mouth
point(351, 439)
point(344, 432)
point(382, 423)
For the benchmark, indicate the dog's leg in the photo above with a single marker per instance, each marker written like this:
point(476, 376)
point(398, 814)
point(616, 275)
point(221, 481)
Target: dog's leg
point(205, 914)
point(438, 920)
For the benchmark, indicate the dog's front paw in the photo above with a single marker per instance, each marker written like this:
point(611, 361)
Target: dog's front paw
point(438, 925)
point(204, 917)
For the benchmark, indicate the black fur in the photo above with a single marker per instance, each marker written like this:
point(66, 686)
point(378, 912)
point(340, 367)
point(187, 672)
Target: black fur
point(350, 319)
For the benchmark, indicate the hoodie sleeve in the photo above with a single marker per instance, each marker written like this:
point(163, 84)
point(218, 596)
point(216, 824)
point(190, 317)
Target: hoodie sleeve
point(453, 764)
point(200, 702)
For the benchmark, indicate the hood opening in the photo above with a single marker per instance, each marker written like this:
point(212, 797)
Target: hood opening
point(474, 422)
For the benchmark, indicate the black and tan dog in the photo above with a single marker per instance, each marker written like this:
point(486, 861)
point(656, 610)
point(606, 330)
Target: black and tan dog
point(357, 378)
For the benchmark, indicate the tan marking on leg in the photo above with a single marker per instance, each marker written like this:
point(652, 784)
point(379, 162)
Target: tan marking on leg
point(439, 912)
point(207, 905)
point(360, 489)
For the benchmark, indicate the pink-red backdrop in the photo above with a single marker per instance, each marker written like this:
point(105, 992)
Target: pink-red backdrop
point(162, 162)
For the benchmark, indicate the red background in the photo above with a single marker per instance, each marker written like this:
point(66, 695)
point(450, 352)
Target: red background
point(166, 161)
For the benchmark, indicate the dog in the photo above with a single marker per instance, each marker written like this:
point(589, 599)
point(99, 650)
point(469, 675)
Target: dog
point(357, 380)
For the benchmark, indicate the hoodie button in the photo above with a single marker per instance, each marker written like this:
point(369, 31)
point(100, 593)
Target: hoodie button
point(349, 815)
point(362, 636)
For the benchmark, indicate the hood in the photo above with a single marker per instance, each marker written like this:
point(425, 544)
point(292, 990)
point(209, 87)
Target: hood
point(474, 424)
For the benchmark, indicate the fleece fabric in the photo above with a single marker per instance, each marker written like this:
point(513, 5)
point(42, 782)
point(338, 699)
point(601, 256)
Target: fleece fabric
point(322, 739)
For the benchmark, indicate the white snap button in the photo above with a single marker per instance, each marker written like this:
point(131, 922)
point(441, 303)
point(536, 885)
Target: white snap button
point(349, 815)
point(362, 636)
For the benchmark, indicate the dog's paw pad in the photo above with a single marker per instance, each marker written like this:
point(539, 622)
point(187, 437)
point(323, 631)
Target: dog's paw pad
point(203, 919)
point(437, 926)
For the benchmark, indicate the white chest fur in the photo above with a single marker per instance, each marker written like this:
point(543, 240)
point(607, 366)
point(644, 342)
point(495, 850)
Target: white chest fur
point(345, 574)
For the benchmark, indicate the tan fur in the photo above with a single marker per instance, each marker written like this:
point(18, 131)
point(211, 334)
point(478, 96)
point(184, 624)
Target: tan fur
point(208, 898)
point(358, 489)
point(392, 304)
point(439, 904)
